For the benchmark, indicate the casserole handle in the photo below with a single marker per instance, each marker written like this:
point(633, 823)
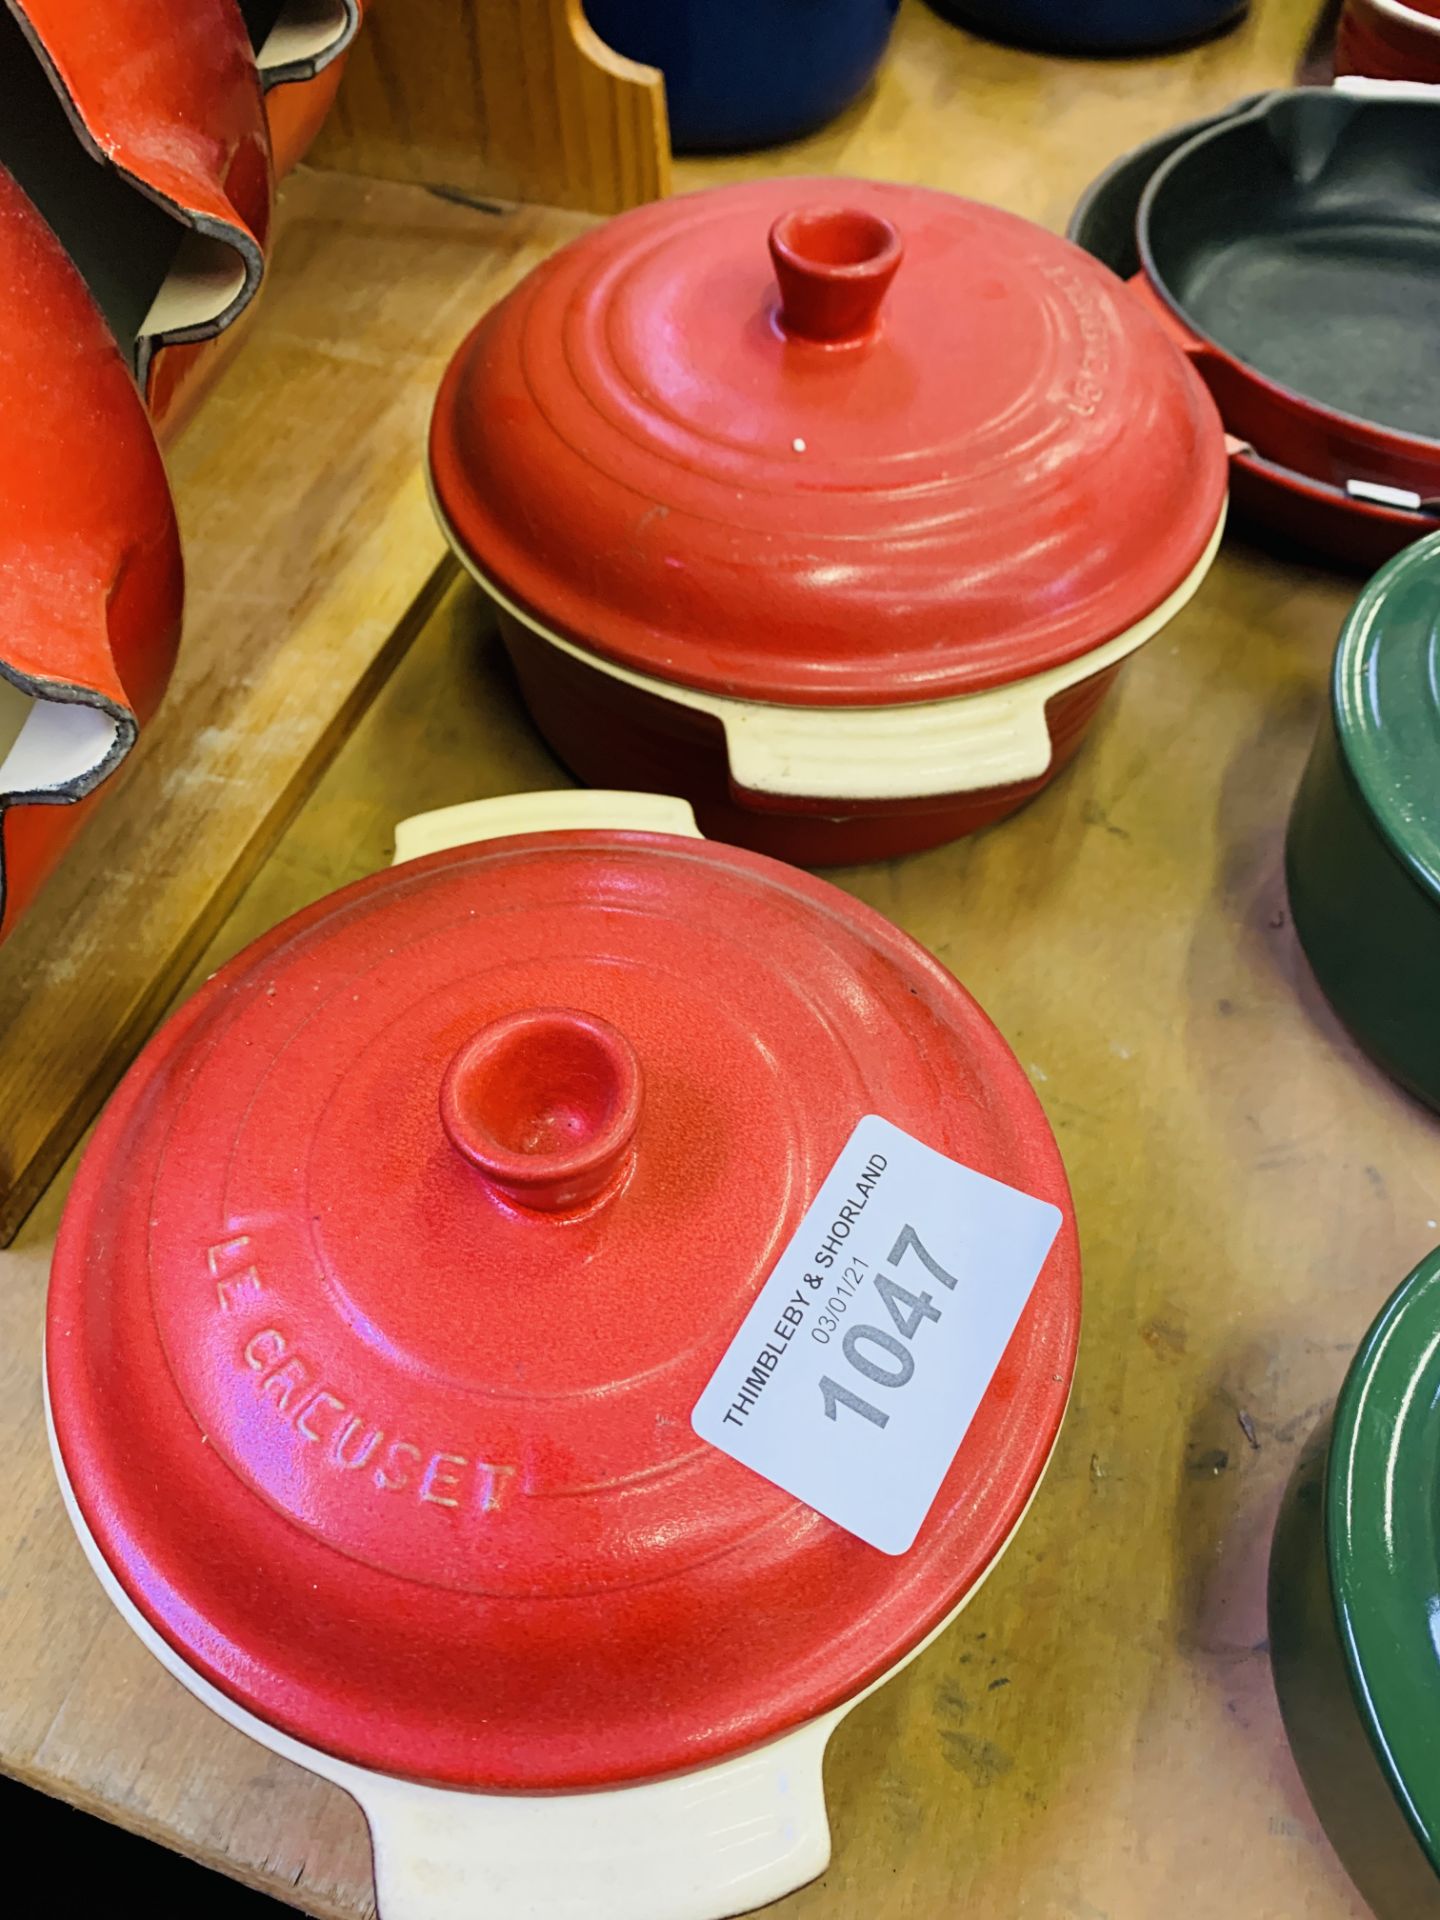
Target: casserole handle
point(891, 753)
point(992, 739)
point(697, 1847)
point(559, 812)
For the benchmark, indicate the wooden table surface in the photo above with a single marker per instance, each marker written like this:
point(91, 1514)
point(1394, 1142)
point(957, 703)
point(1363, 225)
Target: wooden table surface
point(1096, 1739)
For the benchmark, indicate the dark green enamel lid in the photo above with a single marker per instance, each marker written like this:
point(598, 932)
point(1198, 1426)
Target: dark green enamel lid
point(1386, 695)
point(1382, 1542)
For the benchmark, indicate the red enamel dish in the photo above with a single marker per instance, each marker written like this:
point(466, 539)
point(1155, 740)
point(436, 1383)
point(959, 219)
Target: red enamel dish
point(90, 575)
point(1322, 520)
point(1389, 40)
point(170, 99)
point(406, 1249)
point(844, 509)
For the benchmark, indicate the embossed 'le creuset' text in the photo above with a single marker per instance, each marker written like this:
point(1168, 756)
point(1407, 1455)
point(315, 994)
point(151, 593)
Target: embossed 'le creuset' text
point(352, 1445)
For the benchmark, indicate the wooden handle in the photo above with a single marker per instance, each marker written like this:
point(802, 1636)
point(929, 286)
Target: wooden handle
point(502, 100)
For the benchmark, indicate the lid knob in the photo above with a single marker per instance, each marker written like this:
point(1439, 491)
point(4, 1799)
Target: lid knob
point(545, 1103)
point(834, 265)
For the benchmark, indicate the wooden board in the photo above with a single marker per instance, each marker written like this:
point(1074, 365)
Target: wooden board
point(1096, 1739)
point(503, 100)
point(311, 553)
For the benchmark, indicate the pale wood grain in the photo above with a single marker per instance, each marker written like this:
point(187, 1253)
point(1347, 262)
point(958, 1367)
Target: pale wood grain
point(310, 550)
point(1097, 1738)
point(501, 99)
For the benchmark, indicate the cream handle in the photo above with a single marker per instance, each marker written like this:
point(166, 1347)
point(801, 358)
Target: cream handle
point(701, 1846)
point(890, 753)
point(921, 750)
point(992, 739)
point(559, 812)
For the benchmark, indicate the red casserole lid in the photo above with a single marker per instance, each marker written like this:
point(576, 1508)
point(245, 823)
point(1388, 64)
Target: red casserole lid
point(406, 1468)
point(831, 442)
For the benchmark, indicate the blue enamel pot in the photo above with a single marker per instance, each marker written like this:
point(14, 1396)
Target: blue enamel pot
point(1094, 26)
point(750, 73)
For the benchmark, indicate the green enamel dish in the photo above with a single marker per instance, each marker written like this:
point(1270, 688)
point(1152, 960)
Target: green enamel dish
point(1363, 855)
point(1355, 1609)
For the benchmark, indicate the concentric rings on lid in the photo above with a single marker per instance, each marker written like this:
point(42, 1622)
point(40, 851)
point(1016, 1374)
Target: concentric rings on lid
point(945, 451)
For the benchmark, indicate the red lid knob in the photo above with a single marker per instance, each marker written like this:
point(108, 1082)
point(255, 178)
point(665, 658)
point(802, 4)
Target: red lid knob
point(834, 265)
point(545, 1103)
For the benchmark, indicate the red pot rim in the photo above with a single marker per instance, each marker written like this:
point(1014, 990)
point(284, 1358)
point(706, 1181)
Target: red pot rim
point(91, 576)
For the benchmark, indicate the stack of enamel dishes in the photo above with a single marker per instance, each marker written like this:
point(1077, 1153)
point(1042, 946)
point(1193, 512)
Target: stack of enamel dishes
point(455, 1287)
point(834, 508)
point(138, 128)
point(90, 575)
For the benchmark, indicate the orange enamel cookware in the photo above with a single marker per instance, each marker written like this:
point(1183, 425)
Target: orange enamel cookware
point(300, 48)
point(90, 574)
point(833, 506)
point(164, 199)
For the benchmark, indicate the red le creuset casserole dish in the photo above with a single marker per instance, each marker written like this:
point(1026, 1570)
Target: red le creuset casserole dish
point(384, 1296)
point(832, 506)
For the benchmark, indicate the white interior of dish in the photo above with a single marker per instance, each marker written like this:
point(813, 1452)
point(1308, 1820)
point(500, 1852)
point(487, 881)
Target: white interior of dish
point(306, 31)
point(48, 745)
